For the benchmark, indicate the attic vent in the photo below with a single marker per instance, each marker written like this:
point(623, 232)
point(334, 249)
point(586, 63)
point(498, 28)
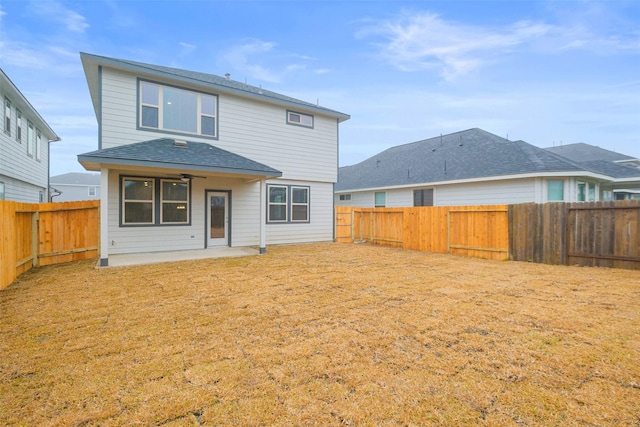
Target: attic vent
point(227, 76)
point(179, 143)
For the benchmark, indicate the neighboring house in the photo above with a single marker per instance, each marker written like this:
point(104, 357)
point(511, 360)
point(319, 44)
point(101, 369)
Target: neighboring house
point(473, 167)
point(191, 160)
point(75, 186)
point(605, 161)
point(24, 147)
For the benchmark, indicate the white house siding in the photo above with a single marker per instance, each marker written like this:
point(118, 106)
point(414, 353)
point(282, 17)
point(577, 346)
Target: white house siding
point(474, 193)
point(24, 176)
point(72, 192)
point(245, 214)
point(320, 226)
point(250, 128)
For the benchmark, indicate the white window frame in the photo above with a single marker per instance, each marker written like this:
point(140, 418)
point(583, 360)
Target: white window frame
point(92, 191)
point(307, 203)
point(31, 139)
point(377, 205)
point(125, 200)
point(38, 144)
point(19, 126)
point(159, 107)
point(285, 203)
point(345, 197)
point(163, 201)
point(563, 190)
point(7, 116)
point(300, 119)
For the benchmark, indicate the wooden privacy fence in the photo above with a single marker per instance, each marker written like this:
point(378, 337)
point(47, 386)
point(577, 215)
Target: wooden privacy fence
point(38, 234)
point(604, 234)
point(479, 231)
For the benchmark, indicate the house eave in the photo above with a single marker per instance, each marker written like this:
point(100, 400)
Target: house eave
point(584, 174)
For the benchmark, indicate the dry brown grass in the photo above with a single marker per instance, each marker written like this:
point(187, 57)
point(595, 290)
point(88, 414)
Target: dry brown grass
point(323, 334)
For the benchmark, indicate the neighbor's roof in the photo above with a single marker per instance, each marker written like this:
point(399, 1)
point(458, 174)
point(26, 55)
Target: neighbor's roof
point(469, 154)
point(166, 153)
point(581, 152)
point(91, 62)
point(76, 178)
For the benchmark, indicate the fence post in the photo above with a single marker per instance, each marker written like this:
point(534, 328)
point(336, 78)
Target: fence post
point(35, 217)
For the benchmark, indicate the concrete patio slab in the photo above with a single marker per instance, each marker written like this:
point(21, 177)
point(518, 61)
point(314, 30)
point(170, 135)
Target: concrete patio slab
point(122, 260)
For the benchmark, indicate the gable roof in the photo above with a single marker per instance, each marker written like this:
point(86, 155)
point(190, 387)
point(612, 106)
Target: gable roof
point(182, 156)
point(469, 154)
point(76, 178)
point(212, 82)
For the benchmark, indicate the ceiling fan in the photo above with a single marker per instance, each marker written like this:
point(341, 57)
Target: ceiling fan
point(187, 177)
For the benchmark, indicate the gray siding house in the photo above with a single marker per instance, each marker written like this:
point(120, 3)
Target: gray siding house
point(75, 186)
point(475, 167)
point(24, 147)
point(190, 160)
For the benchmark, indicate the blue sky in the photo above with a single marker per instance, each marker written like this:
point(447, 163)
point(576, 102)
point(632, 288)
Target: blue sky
point(546, 72)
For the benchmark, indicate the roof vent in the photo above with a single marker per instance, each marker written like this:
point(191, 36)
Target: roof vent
point(180, 143)
point(227, 76)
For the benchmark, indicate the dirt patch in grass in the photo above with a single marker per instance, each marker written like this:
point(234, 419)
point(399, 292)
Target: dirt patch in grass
point(323, 334)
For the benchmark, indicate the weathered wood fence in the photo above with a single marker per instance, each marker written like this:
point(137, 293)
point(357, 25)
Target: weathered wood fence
point(38, 234)
point(479, 231)
point(603, 234)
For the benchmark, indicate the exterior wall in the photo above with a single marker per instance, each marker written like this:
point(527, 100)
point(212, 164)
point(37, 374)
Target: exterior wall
point(474, 193)
point(256, 130)
point(24, 176)
point(74, 192)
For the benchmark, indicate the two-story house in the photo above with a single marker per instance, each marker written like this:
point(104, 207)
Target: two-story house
point(24, 147)
point(190, 160)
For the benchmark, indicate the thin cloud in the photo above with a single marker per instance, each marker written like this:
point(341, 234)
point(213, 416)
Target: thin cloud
point(260, 60)
point(425, 41)
point(53, 10)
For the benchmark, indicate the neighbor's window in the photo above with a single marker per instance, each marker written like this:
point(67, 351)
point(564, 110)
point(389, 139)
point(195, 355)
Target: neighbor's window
point(300, 119)
point(92, 191)
point(345, 197)
point(175, 202)
point(380, 199)
point(288, 203)
point(172, 109)
point(7, 116)
point(277, 203)
point(299, 204)
point(41, 193)
point(1, 190)
point(19, 125)
point(31, 139)
point(555, 190)
point(423, 197)
point(38, 143)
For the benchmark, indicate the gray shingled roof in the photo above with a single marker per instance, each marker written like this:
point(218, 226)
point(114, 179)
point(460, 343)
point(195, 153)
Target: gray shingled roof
point(611, 169)
point(210, 80)
point(581, 152)
point(76, 178)
point(468, 154)
point(164, 153)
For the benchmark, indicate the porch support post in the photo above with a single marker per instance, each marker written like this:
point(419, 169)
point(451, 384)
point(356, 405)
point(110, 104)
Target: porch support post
point(263, 216)
point(104, 217)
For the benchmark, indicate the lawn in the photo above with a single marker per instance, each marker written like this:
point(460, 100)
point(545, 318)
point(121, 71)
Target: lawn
point(322, 334)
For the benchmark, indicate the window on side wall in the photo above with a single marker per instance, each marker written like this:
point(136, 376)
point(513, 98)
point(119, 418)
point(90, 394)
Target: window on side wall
point(38, 143)
point(18, 125)
point(7, 116)
point(92, 191)
point(1, 190)
point(182, 111)
point(586, 192)
point(423, 197)
point(31, 139)
point(380, 199)
point(288, 204)
point(345, 197)
point(555, 190)
point(299, 119)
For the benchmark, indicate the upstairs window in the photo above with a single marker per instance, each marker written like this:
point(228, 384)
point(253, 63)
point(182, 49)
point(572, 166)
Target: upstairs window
point(38, 143)
point(7, 116)
point(31, 139)
point(177, 110)
point(300, 119)
point(18, 125)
